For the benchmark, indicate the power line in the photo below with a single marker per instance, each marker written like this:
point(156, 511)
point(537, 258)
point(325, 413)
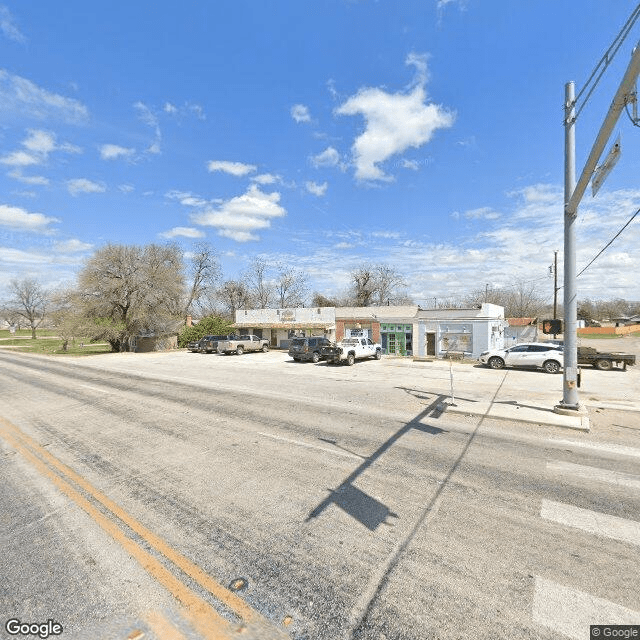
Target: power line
point(605, 61)
point(610, 242)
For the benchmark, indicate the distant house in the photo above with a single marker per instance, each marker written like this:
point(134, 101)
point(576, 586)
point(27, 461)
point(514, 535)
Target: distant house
point(624, 321)
point(520, 330)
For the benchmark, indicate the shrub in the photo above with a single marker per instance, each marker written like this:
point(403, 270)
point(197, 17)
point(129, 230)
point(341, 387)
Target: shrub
point(211, 325)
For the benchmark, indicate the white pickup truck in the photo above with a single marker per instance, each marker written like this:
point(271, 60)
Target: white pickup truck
point(352, 349)
point(243, 343)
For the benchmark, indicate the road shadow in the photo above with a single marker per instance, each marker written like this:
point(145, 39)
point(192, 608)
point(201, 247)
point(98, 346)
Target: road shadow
point(364, 508)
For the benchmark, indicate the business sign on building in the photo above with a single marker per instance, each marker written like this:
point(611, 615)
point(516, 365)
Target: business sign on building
point(287, 315)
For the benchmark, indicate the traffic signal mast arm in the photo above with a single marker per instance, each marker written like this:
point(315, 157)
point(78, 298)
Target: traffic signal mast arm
point(623, 96)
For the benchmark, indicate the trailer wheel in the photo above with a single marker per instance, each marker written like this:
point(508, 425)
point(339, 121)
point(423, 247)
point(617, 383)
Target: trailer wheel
point(603, 365)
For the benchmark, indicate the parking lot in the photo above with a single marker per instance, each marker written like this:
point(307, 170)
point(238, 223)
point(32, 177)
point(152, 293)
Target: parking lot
point(275, 373)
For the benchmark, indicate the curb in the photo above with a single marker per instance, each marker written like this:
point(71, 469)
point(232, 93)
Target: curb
point(515, 412)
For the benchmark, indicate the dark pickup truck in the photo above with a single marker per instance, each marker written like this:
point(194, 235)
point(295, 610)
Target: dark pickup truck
point(604, 361)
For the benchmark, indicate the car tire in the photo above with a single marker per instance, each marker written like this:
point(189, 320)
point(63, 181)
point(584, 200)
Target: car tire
point(378, 354)
point(315, 358)
point(603, 365)
point(496, 363)
point(265, 348)
point(239, 351)
point(351, 359)
point(551, 366)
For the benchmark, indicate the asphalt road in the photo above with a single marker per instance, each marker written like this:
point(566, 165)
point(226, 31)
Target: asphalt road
point(182, 495)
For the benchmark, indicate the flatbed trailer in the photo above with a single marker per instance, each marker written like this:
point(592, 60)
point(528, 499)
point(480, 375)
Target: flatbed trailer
point(605, 361)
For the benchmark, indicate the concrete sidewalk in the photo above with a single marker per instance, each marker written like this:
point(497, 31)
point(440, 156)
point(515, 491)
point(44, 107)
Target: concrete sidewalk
point(513, 411)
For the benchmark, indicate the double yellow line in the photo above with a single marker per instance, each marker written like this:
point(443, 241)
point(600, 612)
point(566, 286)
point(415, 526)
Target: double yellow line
point(206, 620)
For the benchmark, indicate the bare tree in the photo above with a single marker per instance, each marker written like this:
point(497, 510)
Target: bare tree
point(364, 285)
point(291, 287)
point(204, 272)
point(377, 284)
point(29, 300)
point(520, 301)
point(67, 318)
point(320, 300)
point(257, 284)
point(11, 316)
point(388, 283)
point(128, 290)
point(234, 295)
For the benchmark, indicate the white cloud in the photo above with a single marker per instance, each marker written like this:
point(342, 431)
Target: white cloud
point(185, 110)
point(21, 97)
point(149, 118)
point(184, 232)
point(300, 113)
point(114, 151)
point(482, 213)
point(20, 159)
point(9, 255)
point(414, 165)
point(37, 147)
point(237, 169)
point(20, 220)
point(71, 246)
point(267, 178)
point(8, 26)
point(317, 189)
point(394, 122)
point(327, 158)
point(238, 217)
point(82, 185)
point(187, 199)
point(126, 188)
point(16, 174)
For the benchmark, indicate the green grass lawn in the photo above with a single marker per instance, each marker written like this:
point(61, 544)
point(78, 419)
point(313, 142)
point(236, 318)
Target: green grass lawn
point(606, 336)
point(5, 333)
point(52, 346)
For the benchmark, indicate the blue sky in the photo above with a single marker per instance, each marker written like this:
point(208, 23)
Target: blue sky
point(426, 135)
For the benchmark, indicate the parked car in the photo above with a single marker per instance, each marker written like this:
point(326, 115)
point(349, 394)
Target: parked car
point(194, 346)
point(240, 344)
point(536, 355)
point(351, 349)
point(308, 348)
point(209, 344)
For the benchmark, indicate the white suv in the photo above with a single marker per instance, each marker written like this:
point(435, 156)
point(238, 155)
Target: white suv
point(539, 355)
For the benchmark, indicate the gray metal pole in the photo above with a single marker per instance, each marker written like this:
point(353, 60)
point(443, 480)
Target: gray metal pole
point(570, 372)
point(555, 285)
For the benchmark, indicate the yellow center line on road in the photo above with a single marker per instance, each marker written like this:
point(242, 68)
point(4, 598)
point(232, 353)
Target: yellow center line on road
point(206, 619)
point(162, 627)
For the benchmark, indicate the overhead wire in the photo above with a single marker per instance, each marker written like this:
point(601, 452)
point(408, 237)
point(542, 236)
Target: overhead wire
point(610, 242)
point(604, 62)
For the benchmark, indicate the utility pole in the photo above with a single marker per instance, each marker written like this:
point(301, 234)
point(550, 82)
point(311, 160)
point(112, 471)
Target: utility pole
point(555, 288)
point(573, 193)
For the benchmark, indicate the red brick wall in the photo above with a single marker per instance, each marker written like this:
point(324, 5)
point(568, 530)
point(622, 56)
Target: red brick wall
point(375, 328)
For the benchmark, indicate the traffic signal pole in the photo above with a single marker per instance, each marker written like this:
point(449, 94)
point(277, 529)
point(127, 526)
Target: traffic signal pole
point(570, 370)
point(573, 193)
